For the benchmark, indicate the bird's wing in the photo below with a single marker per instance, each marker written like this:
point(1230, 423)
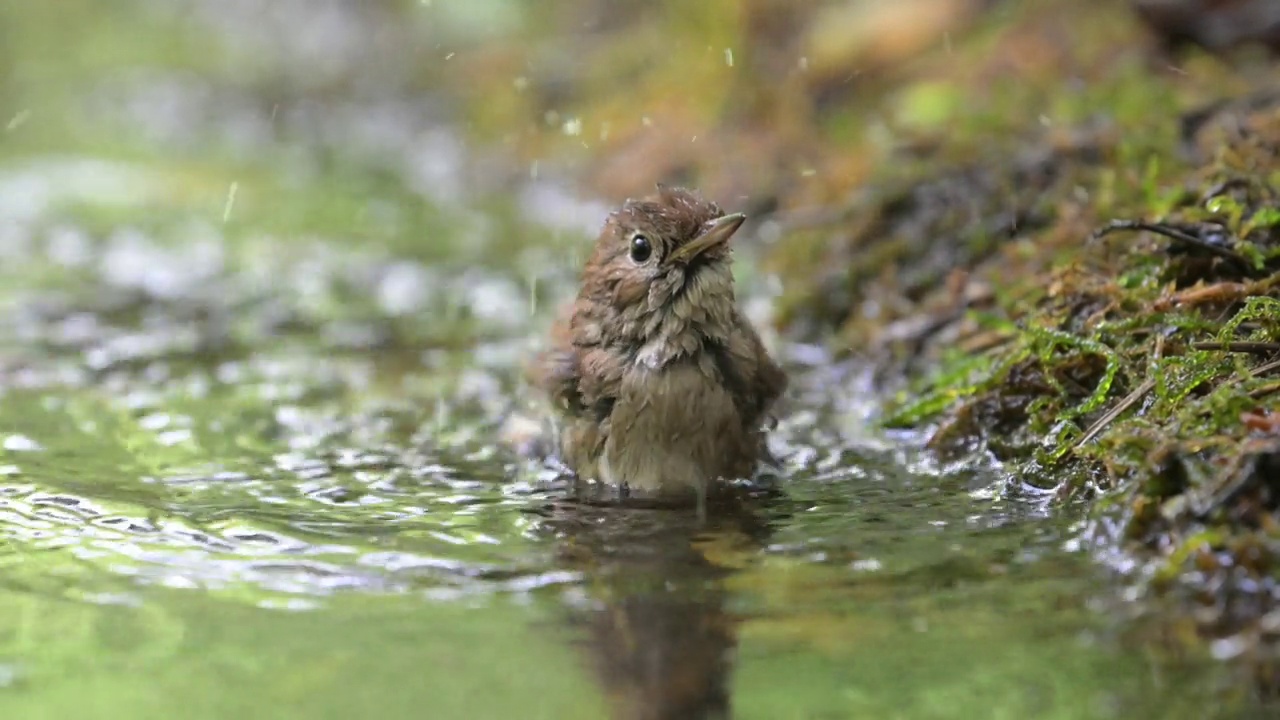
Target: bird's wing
point(557, 370)
point(580, 374)
point(762, 381)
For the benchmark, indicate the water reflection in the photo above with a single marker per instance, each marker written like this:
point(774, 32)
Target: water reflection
point(657, 633)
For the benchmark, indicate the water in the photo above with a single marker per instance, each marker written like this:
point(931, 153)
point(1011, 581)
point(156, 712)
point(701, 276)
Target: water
point(335, 581)
point(255, 356)
point(206, 516)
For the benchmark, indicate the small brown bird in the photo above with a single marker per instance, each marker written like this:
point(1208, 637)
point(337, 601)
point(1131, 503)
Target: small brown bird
point(661, 385)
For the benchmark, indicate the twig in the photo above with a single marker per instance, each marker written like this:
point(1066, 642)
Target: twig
point(1261, 348)
point(1127, 402)
point(1174, 233)
point(1260, 392)
point(1265, 368)
point(984, 341)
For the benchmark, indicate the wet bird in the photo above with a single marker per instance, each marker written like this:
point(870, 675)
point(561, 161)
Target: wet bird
point(661, 387)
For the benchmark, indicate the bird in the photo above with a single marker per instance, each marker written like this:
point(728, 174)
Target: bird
point(659, 385)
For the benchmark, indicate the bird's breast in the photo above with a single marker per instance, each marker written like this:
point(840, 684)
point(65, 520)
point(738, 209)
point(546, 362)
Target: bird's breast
point(676, 427)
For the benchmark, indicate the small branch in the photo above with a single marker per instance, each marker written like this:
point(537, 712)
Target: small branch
point(1180, 235)
point(1129, 401)
point(1261, 348)
point(1268, 389)
point(1265, 368)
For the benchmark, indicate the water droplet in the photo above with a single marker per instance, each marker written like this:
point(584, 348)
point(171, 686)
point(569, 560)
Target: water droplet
point(21, 443)
point(866, 565)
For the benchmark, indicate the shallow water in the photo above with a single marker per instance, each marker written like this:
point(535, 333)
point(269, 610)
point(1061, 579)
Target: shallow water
point(211, 554)
point(255, 355)
point(218, 501)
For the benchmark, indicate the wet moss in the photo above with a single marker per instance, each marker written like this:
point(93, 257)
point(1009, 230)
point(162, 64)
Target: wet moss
point(1133, 362)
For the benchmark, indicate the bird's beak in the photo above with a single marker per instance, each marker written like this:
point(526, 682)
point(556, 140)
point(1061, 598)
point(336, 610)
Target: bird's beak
point(717, 233)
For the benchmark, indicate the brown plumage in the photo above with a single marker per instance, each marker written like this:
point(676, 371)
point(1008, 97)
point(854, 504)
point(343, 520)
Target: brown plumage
point(661, 385)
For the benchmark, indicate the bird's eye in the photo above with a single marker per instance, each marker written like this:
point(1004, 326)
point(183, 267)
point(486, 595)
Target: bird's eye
point(640, 248)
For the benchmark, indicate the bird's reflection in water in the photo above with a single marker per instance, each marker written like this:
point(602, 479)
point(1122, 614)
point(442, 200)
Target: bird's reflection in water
point(655, 631)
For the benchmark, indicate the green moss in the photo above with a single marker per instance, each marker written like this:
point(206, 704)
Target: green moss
point(1142, 368)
